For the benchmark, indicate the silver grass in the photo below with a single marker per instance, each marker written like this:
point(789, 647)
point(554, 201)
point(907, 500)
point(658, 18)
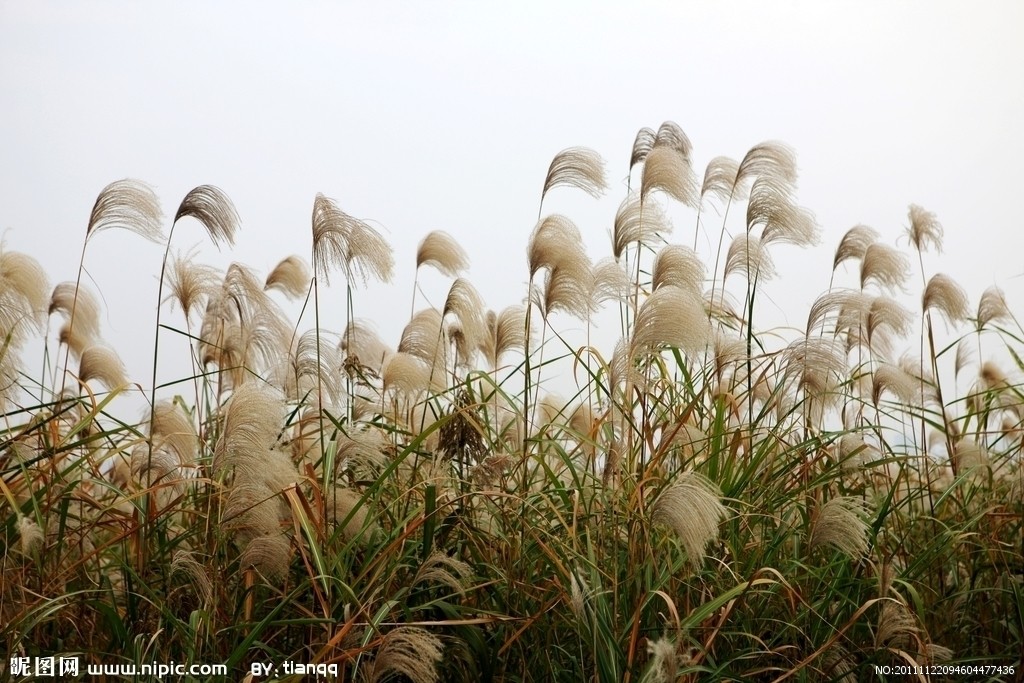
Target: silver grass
point(269, 554)
point(611, 281)
point(854, 243)
point(670, 172)
point(506, 331)
point(771, 206)
point(854, 451)
point(22, 279)
point(671, 136)
point(890, 315)
point(842, 523)
point(363, 451)
point(465, 305)
point(770, 158)
point(346, 506)
point(691, 506)
point(992, 376)
point(896, 626)
point(339, 240)
point(664, 663)
point(642, 145)
point(964, 356)
point(971, 455)
point(992, 307)
point(747, 256)
point(86, 309)
point(884, 266)
point(184, 562)
point(672, 317)
point(943, 294)
point(254, 418)
point(408, 375)
point(555, 240)
point(128, 204)
point(720, 179)
point(895, 380)
point(440, 250)
point(175, 445)
point(638, 221)
point(679, 266)
point(831, 303)
point(191, 284)
point(210, 206)
point(408, 651)
point(721, 304)
point(422, 338)
point(729, 351)
point(567, 287)
point(361, 342)
point(578, 167)
point(925, 231)
point(30, 535)
point(441, 568)
point(312, 367)
point(291, 276)
point(913, 367)
point(99, 362)
point(815, 365)
point(579, 593)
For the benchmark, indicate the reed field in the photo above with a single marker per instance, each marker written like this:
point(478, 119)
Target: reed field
point(507, 495)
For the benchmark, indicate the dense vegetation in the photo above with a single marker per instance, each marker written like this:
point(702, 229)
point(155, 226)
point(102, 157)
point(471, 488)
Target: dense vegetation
point(714, 502)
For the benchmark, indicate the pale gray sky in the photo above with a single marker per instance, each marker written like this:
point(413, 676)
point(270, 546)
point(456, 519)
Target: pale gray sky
point(445, 115)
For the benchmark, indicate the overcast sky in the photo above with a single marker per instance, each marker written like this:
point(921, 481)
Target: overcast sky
point(423, 116)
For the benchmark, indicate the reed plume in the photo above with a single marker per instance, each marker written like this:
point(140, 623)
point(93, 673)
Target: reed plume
point(992, 307)
point(410, 652)
point(81, 310)
point(667, 170)
point(884, 266)
point(720, 179)
point(611, 281)
point(210, 206)
point(672, 317)
point(925, 231)
point(102, 363)
point(23, 306)
point(441, 251)
point(947, 297)
point(361, 343)
point(678, 266)
point(747, 256)
point(842, 524)
point(691, 506)
point(505, 331)
point(771, 206)
point(339, 240)
point(854, 244)
point(291, 276)
point(130, 205)
point(191, 284)
point(638, 222)
point(642, 144)
point(578, 167)
point(468, 328)
point(770, 158)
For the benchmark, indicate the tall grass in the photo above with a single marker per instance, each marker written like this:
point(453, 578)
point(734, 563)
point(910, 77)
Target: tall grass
point(717, 501)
